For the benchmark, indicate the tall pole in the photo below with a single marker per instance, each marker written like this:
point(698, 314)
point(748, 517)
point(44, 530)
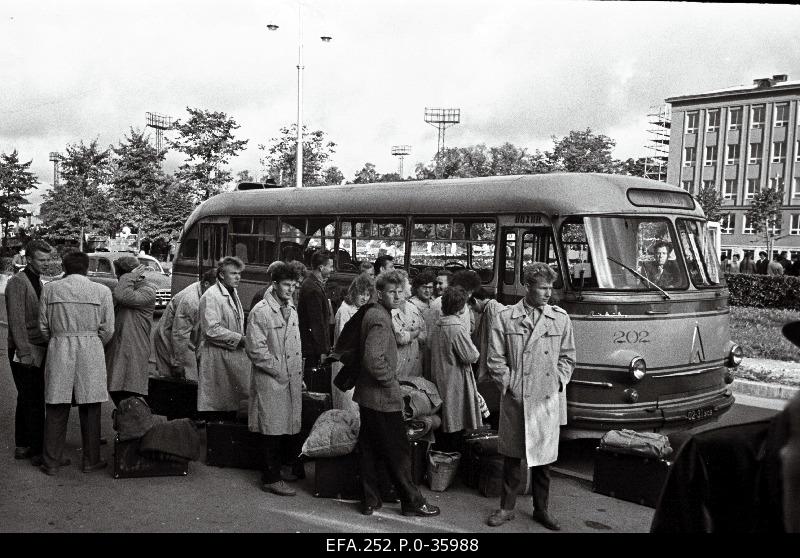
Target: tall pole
point(299, 171)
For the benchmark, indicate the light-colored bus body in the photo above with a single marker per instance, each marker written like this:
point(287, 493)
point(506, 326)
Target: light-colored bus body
point(586, 226)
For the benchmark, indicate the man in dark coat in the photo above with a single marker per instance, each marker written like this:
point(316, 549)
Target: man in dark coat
point(762, 263)
point(314, 310)
point(748, 266)
point(27, 351)
point(382, 436)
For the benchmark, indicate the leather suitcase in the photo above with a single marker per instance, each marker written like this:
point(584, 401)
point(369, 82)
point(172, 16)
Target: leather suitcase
point(318, 378)
point(230, 444)
point(337, 477)
point(172, 398)
point(313, 405)
point(475, 444)
point(629, 477)
point(129, 463)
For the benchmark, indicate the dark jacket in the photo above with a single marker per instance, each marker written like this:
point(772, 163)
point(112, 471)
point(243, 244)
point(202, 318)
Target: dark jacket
point(761, 266)
point(747, 266)
point(377, 387)
point(315, 317)
point(22, 304)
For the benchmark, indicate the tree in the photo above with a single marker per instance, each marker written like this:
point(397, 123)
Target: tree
point(136, 179)
point(633, 167)
point(206, 138)
point(332, 176)
point(280, 157)
point(16, 180)
point(367, 175)
point(244, 176)
point(711, 201)
point(390, 177)
point(765, 215)
point(583, 151)
point(79, 202)
point(173, 202)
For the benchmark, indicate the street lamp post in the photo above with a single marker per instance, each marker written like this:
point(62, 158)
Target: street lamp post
point(324, 39)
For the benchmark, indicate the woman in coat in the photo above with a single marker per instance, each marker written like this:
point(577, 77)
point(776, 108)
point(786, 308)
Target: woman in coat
point(128, 352)
point(360, 291)
point(223, 366)
point(410, 331)
point(273, 345)
point(452, 355)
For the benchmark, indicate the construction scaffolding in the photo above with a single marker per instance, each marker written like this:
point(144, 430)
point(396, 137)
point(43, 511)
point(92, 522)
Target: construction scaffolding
point(659, 123)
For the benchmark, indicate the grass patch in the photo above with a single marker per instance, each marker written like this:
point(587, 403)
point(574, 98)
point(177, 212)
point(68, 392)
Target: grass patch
point(758, 331)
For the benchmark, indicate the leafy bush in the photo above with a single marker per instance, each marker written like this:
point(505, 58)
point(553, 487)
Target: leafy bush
point(758, 331)
point(764, 291)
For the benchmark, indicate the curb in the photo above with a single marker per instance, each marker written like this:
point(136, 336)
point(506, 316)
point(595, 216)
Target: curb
point(761, 389)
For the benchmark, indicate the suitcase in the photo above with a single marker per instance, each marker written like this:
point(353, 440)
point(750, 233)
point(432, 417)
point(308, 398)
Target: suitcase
point(230, 444)
point(490, 476)
point(419, 460)
point(318, 378)
point(337, 477)
point(629, 477)
point(475, 444)
point(314, 404)
point(129, 463)
point(172, 397)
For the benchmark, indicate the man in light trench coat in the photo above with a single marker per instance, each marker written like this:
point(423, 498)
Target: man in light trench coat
point(273, 345)
point(174, 350)
point(531, 357)
point(223, 366)
point(76, 316)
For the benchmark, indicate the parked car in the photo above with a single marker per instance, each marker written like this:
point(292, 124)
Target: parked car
point(102, 269)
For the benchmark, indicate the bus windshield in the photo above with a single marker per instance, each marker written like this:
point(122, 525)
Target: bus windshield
point(698, 249)
point(623, 253)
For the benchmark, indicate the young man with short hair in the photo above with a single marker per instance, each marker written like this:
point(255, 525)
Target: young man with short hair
point(314, 311)
point(383, 263)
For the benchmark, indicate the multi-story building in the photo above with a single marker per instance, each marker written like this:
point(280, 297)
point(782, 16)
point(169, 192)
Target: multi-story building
point(741, 140)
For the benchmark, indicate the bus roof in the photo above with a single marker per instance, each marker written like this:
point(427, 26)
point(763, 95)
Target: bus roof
point(557, 193)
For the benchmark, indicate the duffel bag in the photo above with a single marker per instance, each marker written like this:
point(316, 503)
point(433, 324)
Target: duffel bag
point(647, 444)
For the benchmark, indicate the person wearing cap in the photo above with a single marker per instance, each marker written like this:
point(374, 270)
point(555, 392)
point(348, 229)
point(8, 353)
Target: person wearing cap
point(128, 352)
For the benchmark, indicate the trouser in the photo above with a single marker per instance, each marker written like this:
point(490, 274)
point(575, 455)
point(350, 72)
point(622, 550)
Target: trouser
point(118, 396)
point(540, 484)
point(274, 448)
point(383, 438)
point(56, 432)
point(29, 415)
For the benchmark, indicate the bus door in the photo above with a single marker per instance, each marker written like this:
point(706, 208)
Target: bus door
point(213, 245)
point(521, 246)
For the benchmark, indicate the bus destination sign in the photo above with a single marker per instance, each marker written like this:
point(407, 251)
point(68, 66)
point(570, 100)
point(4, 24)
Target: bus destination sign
point(528, 219)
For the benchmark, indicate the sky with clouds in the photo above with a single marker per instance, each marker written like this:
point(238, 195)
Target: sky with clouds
point(520, 71)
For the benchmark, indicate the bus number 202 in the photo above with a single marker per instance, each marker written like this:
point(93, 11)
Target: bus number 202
point(631, 336)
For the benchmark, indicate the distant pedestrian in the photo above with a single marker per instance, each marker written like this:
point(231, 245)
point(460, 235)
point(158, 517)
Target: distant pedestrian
point(223, 367)
point(20, 260)
point(531, 357)
point(128, 352)
point(27, 351)
point(77, 317)
point(774, 267)
point(273, 346)
point(785, 262)
point(762, 263)
point(748, 266)
point(795, 269)
point(734, 264)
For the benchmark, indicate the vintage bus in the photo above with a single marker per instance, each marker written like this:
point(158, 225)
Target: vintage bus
point(649, 356)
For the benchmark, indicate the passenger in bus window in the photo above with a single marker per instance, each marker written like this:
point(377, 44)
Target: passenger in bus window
point(663, 271)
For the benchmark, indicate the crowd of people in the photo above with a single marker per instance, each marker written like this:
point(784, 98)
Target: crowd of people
point(72, 341)
point(780, 265)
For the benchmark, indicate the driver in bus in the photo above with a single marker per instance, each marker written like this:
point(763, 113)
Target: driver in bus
point(663, 271)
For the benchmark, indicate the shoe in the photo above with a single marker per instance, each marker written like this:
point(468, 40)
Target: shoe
point(367, 510)
point(278, 488)
point(101, 464)
point(423, 510)
point(22, 453)
point(499, 517)
point(38, 460)
point(51, 471)
point(546, 520)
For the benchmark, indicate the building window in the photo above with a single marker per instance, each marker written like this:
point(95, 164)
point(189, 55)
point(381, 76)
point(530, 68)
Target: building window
point(735, 119)
point(747, 228)
point(757, 117)
point(797, 152)
point(708, 184)
point(711, 156)
point(796, 191)
point(775, 229)
point(729, 191)
point(687, 185)
point(752, 188)
point(727, 224)
point(776, 183)
point(732, 157)
point(756, 152)
point(781, 115)
point(713, 120)
point(689, 155)
point(692, 121)
point(795, 228)
point(778, 152)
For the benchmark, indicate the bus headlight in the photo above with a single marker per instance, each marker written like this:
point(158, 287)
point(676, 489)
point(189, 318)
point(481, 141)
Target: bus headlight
point(637, 369)
point(735, 356)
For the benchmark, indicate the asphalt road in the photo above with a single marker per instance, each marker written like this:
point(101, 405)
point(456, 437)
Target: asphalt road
point(212, 499)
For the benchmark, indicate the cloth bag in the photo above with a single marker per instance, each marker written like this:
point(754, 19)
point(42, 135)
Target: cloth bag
point(133, 418)
point(334, 433)
point(645, 444)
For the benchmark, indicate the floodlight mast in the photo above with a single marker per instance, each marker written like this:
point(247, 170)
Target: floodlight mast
point(159, 123)
point(55, 157)
point(441, 119)
point(401, 151)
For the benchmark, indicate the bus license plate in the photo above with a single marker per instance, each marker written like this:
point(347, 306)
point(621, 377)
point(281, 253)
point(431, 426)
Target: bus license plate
point(699, 414)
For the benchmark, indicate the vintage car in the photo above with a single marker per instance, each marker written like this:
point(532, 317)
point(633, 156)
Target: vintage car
point(102, 269)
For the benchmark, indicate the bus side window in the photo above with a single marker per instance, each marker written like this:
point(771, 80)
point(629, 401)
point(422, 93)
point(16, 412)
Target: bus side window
point(510, 245)
point(579, 256)
point(189, 243)
point(293, 238)
point(538, 246)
